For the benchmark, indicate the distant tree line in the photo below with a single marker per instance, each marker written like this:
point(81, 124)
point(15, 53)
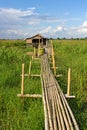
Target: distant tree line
point(64, 38)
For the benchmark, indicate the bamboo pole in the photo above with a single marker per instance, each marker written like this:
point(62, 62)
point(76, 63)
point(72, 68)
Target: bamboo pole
point(53, 109)
point(57, 102)
point(22, 83)
point(68, 85)
point(49, 110)
point(32, 75)
point(44, 103)
point(53, 59)
point(30, 95)
point(34, 51)
point(30, 68)
point(39, 48)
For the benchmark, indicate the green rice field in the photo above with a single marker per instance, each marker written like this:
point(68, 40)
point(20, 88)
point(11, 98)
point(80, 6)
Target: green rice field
point(17, 113)
point(27, 113)
point(73, 54)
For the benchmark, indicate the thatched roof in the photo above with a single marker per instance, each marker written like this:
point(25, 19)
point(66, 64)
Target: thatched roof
point(38, 35)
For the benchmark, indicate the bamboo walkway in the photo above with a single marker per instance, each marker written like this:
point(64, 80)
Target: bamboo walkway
point(58, 115)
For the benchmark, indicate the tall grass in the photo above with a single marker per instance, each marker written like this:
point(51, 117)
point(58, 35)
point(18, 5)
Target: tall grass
point(24, 114)
point(17, 113)
point(73, 54)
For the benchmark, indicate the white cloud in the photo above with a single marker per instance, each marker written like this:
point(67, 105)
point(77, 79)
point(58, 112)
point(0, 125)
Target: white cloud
point(12, 31)
point(84, 24)
point(11, 16)
point(49, 29)
point(15, 23)
point(46, 30)
point(82, 30)
point(58, 29)
point(32, 22)
point(18, 12)
point(62, 31)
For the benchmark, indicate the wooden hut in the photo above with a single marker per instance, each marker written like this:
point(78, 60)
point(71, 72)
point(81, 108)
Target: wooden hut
point(36, 40)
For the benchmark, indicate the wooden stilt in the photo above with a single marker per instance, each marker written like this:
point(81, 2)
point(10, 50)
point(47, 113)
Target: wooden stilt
point(39, 48)
point(30, 67)
point(34, 51)
point(22, 83)
point(68, 85)
point(53, 59)
point(32, 57)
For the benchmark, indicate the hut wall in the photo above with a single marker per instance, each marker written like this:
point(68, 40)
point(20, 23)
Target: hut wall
point(29, 41)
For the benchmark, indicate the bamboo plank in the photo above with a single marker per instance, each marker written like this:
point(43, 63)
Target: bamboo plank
point(44, 103)
point(30, 95)
point(59, 115)
point(69, 109)
point(32, 75)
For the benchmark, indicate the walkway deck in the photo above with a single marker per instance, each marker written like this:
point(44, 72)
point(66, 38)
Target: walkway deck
point(58, 114)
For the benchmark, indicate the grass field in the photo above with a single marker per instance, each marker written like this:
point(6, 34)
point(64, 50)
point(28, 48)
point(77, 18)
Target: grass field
point(73, 54)
point(27, 114)
point(17, 113)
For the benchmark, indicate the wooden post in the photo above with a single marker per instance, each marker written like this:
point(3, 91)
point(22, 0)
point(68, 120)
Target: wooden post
point(53, 59)
point(30, 67)
point(42, 41)
point(22, 83)
point(32, 57)
point(34, 52)
point(39, 48)
point(68, 85)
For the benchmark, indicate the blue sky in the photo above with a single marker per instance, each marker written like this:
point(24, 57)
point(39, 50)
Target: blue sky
point(51, 18)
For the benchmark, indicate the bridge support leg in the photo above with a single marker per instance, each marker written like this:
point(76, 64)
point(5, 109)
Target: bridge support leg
point(30, 68)
point(22, 82)
point(68, 85)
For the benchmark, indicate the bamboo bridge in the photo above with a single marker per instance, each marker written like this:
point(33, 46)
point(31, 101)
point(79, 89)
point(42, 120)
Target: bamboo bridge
point(58, 114)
